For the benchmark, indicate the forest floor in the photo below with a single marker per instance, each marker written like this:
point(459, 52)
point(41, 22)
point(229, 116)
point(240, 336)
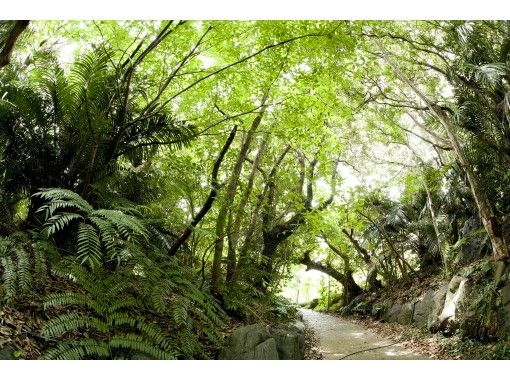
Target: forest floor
point(340, 338)
point(313, 350)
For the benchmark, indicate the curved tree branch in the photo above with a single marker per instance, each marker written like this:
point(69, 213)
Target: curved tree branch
point(10, 41)
point(210, 199)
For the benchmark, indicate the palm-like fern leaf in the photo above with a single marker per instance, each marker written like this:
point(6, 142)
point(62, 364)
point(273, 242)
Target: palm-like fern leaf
point(89, 245)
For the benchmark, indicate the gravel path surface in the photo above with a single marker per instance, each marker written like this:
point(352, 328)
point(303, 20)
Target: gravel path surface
point(339, 338)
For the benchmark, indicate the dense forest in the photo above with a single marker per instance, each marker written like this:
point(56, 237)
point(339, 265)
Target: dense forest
point(162, 181)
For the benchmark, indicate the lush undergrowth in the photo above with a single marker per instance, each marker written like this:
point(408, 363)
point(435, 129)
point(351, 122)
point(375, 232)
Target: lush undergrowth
point(116, 297)
point(119, 297)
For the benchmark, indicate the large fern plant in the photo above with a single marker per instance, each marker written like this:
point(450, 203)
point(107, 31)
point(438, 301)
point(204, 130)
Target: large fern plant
point(68, 127)
point(145, 280)
point(171, 290)
point(101, 234)
point(106, 321)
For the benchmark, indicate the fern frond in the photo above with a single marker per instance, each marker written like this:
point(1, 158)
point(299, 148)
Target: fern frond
point(155, 334)
point(89, 245)
point(40, 267)
point(62, 324)
point(123, 304)
point(77, 350)
point(108, 234)
point(122, 319)
point(69, 269)
point(9, 278)
point(188, 343)
point(159, 237)
point(127, 225)
point(159, 297)
point(70, 298)
point(180, 313)
point(58, 194)
point(24, 266)
point(136, 343)
point(24, 273)
point(60, 221)
point(58, 204)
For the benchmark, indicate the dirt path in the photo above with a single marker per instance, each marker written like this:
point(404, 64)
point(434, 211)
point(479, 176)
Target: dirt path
point(339, 338)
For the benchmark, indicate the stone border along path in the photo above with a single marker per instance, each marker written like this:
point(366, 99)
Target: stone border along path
point(339, 339)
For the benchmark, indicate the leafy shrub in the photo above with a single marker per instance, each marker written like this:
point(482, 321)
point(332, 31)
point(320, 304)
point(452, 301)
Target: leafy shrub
point(281, 307)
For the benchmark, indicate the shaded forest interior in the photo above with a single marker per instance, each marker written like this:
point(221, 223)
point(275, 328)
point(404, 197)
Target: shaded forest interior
point(162, 181)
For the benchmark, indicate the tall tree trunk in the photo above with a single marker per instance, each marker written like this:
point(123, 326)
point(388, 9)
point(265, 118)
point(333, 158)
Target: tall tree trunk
point(274, 235)
point(489, 220)
point(245, 247)
point(6, 223)
point(349, 285)
point(237, 219)
point(430, 206)
point(10, 41)
point(399, 258)
point(372, 282)
point(228, 201)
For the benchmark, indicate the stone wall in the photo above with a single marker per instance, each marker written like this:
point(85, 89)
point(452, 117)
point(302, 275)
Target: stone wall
point(465, 303)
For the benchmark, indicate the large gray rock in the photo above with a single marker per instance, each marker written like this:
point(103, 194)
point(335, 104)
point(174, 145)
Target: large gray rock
point(405, 316)
point(423, 309)
point(437, 304)
point(399, 313)
point(391, 315)
point(258, 342)
point(263, 351)
point(299, 326)
point(252, 342)
point(454, 299)
point(290, 340)
point(421, 312)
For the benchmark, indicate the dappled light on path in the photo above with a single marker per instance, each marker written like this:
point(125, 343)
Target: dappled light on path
point(339, 339)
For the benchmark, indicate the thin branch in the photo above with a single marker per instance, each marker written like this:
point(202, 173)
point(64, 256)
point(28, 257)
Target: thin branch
point(237, 63)
point(210, 199)
point(192, 53)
